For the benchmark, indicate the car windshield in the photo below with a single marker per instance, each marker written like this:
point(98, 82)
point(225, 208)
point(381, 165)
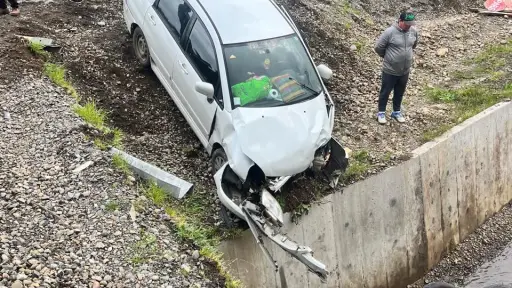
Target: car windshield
point(270, 73)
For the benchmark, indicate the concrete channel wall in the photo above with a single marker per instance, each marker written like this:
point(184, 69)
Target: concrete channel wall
point(391, 228)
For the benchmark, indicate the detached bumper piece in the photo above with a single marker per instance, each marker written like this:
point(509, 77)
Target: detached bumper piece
point(302, 253)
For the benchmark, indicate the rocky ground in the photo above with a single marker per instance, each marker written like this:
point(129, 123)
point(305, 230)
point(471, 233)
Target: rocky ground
point(61, 227)
point(485, 244)
point(97, 51)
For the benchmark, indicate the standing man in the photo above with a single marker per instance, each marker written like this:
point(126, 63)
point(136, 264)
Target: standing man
point(395, 45)
point(14, 6)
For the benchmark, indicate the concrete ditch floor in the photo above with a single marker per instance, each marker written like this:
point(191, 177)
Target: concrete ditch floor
point(485, 244)
point(64, 229)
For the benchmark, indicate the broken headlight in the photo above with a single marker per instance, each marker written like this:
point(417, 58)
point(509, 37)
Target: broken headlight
point(273, 208)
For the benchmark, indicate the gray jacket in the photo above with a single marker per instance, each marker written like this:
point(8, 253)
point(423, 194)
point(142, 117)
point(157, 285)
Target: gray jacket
point(396, 47)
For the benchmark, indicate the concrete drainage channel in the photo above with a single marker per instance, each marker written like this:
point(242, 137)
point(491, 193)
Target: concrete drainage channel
point(390, 229)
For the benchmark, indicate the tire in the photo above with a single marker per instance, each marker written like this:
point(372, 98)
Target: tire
point(141, 48)
point(218, 159)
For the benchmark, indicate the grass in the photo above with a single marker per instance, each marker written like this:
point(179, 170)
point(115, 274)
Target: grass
point(38, 49)
point(57, 74)
point(145, 249)
point(91, 114)
point(358, 167)
point(430, 135)
point(471, 99)
point(121, 164)
point(187, 216)
point(111, 206)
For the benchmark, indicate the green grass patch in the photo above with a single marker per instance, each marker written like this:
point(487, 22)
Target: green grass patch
point(121, 164)
point(145, 249)
point(471, 99)
point(468, 101)
point(117, 138)
point(358, 166)
point(494, 55)
point(111, 206)
point(57, 74)
point(38, 49)
point(100, 144)
point(188, 217)
point(431, 134)
point(91, 114)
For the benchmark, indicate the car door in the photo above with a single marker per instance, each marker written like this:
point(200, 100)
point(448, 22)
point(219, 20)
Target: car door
point(164, 30)
point(198, 63)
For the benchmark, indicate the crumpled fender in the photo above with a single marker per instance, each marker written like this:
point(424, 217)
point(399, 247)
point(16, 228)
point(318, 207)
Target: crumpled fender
point(237, 160)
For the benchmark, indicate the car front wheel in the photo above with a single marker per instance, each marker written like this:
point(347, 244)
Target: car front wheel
point(140, 45)
point(218, 159)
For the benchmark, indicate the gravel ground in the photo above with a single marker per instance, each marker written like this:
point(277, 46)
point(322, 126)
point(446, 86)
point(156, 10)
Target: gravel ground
point(485, 244)
point(59, 228)
point(97, 51)
point(81, 239)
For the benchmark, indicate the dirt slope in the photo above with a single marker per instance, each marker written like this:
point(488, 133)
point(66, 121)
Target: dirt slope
point(97, 51)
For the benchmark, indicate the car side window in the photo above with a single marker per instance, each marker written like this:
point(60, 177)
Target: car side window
point(201, 52)
point(177, 13)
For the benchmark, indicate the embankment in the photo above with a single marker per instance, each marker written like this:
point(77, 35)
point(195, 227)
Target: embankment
point(390, 229)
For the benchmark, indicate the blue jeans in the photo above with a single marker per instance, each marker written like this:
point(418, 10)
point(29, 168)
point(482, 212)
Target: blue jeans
point(395, 83)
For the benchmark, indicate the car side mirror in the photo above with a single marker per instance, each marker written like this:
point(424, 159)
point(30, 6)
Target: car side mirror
point(324, 71)
point(206, 89)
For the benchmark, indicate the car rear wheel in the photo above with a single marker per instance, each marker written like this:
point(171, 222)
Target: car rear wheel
point(141, 48)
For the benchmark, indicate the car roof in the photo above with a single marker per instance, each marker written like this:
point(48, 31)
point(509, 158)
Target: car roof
point(239, 21)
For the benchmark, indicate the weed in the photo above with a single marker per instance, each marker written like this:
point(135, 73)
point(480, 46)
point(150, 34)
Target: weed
point(100, 144)
point(358, 166)
point(472, 99)
point(430, 135)
point(121, 164)
point(145, 249)
point(387, 156)
point(155, 193)
point(302, 209)
point(493, 55)
point(117, 138)
point(38, 49)
point(190, 227)
point(346, 9)
point(440, 95)
point(57, 74)
point(91, 114)
point(361, 156)
point(112, 206)
point(355, 170)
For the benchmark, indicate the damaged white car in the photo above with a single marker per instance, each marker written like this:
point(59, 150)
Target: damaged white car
point(241, 74)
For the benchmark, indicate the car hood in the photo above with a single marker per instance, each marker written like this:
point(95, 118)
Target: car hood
point(282, 140)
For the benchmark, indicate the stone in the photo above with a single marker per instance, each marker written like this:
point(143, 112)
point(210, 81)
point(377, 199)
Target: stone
point(442, 52)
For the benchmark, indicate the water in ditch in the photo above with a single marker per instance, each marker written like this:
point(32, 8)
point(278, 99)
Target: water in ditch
point(495, 273)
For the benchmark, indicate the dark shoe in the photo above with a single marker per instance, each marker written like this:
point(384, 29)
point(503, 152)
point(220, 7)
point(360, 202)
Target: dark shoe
point(15, 12)
point(4, 11)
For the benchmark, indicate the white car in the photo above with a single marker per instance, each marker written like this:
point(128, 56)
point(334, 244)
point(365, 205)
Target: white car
point(241, 74)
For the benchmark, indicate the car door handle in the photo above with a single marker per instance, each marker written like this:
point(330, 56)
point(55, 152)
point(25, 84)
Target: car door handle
point(152, 19)
point(183, 67)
